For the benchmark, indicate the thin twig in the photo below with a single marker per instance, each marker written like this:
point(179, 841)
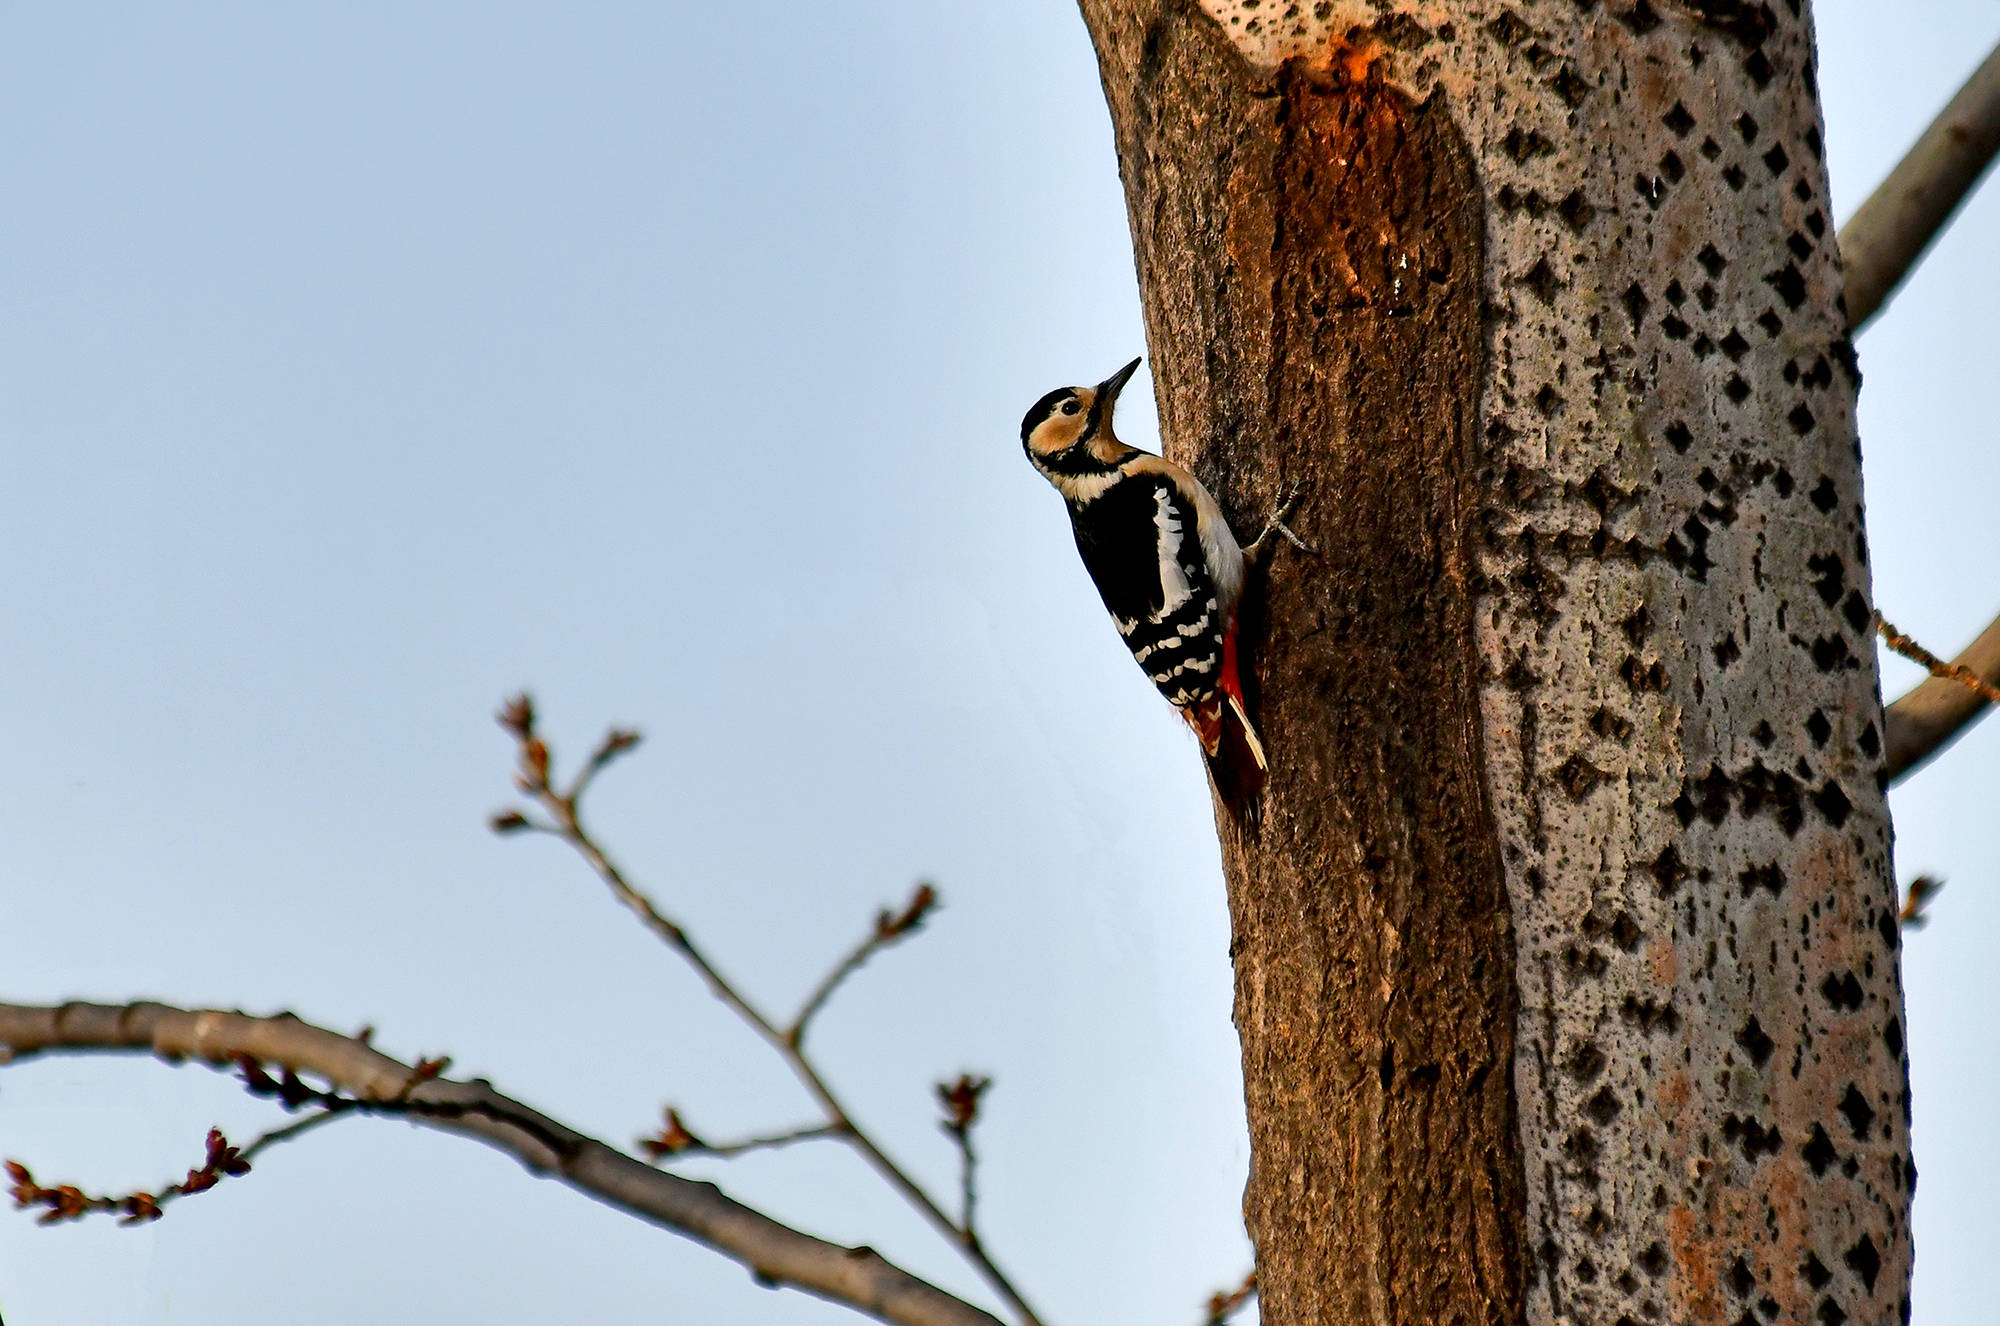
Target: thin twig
point(1935, 712)
point(802, 1067)
point(66, 1201)
point(838, 1119)
point(1882, 241)
point(774, 1253)
point(1916, 653)
point(889, 927)
point(616, 742)
point(670, 932)
point(769, 1142)
point(847, 966)
point(968, 1166)
point(339, 1109)
point(534, 780)
point(960, 1100)
point(674, 1140)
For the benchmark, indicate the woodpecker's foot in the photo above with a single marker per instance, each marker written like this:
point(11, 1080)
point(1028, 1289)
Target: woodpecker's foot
point(1276, 525)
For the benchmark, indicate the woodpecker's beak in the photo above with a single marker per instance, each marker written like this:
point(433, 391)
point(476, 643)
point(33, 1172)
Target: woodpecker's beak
point(1107, 390)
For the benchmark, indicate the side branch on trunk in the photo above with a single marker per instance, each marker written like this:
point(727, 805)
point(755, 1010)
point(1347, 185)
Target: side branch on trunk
point(773, 1252)
point(1879, 246)
point(1933, 714)
point(1883, 240)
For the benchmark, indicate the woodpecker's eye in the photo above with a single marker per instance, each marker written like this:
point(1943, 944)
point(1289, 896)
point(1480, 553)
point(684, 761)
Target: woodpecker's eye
point(1071, 406)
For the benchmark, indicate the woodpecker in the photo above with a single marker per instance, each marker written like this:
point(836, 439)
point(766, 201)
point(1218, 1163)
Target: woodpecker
point(1165, 562)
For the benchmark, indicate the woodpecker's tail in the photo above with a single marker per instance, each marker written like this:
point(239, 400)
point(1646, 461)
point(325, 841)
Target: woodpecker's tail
point(1235, 755)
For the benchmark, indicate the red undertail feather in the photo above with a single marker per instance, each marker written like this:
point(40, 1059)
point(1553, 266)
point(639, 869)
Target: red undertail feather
point(1235, 755)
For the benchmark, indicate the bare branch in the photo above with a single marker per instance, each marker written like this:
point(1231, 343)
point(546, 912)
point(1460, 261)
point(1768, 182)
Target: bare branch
point(1916, 653)
point(616, 742)
point(535, 778)
point(675, 1139)
point(968, 1189)
point(291, 1132)
point(961, 1111)
point(1931, 715)
point(66, 1201)
point(774, 1253)
point(1882, 241)
point(889, 927)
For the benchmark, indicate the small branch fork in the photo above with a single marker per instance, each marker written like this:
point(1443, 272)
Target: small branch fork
point(68, 1202)
point(559, 815)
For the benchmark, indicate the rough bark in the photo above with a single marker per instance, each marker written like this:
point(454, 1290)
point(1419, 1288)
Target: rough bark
point(1566, 949)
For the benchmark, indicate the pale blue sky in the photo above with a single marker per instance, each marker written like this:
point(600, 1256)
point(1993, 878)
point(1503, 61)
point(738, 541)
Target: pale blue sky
point(361, 363)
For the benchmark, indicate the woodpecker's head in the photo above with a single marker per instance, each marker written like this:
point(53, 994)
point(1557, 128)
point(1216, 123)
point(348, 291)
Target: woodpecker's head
point(1069, 430)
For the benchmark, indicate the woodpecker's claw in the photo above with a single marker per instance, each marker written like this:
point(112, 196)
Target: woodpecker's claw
point(1276, 525)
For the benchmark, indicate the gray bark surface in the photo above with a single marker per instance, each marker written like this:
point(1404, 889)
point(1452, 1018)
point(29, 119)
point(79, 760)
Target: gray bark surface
point(1576, 738)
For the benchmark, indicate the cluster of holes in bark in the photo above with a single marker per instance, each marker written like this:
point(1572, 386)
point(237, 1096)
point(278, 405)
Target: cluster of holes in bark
point(1687, 547)
point(1577, 211)
point(1755, 789)
point(1861, 1260)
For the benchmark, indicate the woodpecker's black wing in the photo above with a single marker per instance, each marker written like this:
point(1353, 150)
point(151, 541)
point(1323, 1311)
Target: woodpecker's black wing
point(1139, 542)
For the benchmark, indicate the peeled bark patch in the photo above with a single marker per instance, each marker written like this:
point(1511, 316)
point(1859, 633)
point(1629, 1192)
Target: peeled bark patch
point(1315, 311)
point(1374, 982)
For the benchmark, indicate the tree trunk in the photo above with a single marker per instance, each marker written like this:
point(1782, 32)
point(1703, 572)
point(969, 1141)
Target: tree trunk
point(1566, 946)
